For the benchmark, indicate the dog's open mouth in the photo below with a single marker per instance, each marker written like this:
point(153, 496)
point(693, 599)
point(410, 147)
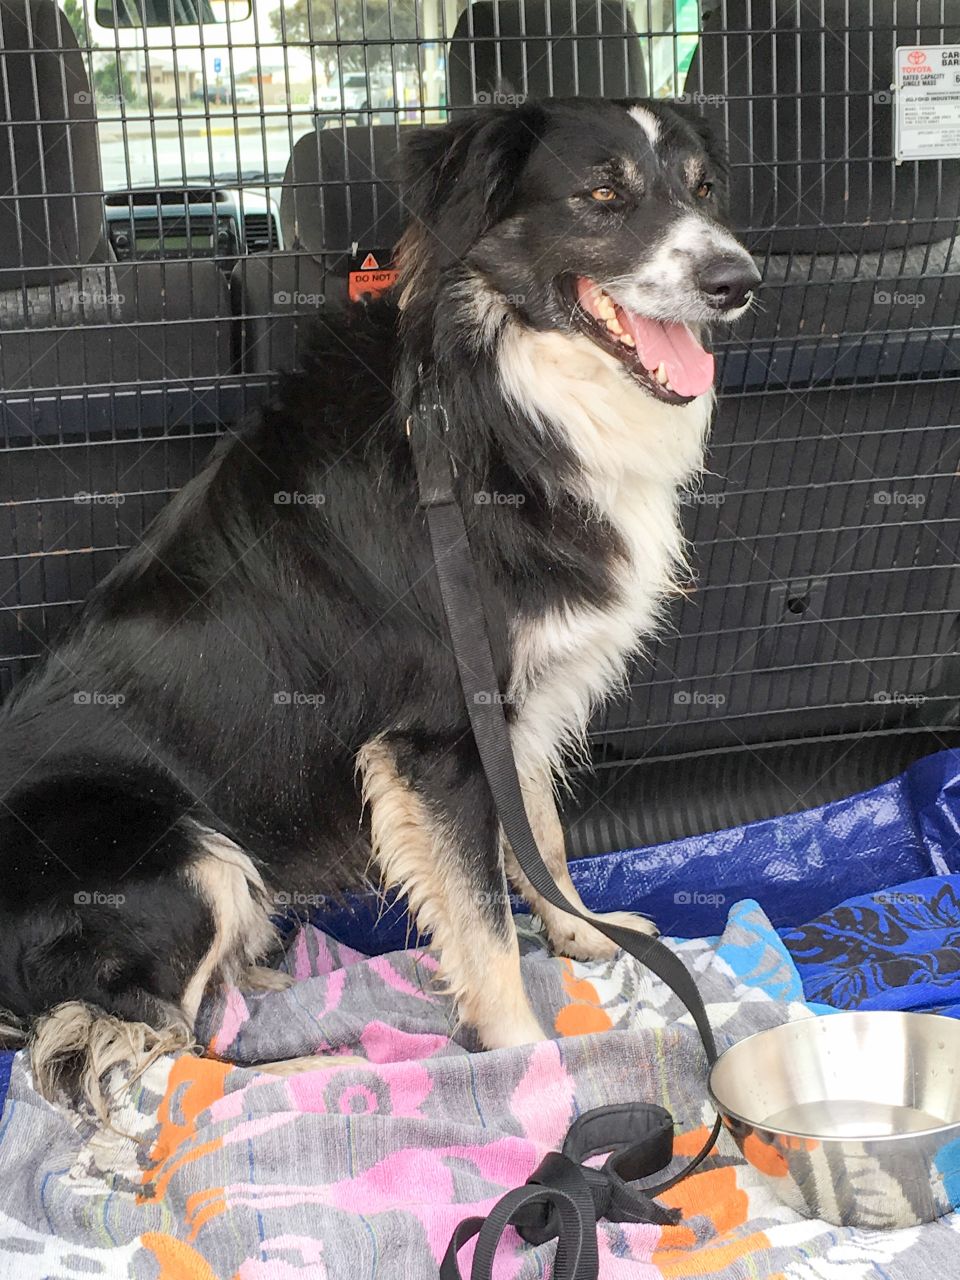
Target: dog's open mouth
point(665, 358)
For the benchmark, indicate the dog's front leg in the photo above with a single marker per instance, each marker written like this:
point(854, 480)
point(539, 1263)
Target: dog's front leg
point(567, 934)
point(434, 835)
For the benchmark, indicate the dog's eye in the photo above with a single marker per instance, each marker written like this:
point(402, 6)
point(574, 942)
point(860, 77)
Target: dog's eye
point(603, 194)
point(703, 190)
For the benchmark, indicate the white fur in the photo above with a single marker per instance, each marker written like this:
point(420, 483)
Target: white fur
point(636, 453)
point(480, 964)
point(234, 891)
point(648, 122)
point(663, 284)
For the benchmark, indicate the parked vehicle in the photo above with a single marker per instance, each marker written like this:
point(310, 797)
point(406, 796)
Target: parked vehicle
point(362, 100)
point(227, 95)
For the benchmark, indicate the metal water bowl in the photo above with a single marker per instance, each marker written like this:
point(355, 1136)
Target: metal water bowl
point(851, 1117)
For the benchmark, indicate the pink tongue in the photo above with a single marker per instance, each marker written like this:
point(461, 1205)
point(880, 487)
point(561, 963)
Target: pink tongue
point(689, 368)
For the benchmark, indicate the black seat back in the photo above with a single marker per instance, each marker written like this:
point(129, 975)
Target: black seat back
point(848, 239)
point(544, 48)
point(340, 211)
point(341, 199)
point(808, 112)
point(51, 217)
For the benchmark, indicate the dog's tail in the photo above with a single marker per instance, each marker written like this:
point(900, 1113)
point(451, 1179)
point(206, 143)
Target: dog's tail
point(75, 1046)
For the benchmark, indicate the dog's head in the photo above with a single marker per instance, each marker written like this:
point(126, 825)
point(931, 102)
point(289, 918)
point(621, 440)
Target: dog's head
point(601, 218)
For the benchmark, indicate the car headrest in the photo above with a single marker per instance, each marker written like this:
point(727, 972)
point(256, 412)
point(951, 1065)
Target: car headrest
point(547, 48)
point(51, 209)
point(340, 190)
point(808, 115)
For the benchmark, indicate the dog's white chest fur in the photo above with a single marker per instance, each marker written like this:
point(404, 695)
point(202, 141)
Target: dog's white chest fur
point(637, 453)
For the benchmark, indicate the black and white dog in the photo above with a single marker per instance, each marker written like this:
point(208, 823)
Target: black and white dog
point(261, 700)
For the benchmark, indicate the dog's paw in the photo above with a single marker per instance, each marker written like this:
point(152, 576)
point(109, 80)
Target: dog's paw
point(580, 941)
point(512, 1032)
point(257, 977)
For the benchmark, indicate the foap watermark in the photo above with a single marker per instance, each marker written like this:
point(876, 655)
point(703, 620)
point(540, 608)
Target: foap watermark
point(492, 498)
point(297, 298)
point(94, 898)
point(884, 299)
point(699, 498)
point(84, 499)
point(486, 698)
point(498, 898)
point(896, 698)
point(499, 98)
point(283, 498)
point(694, 898)
point(897, 898)
point(294, 898)
point(297, 698)
point(697, 698)
point(898, 498)
point(100, 298)
point(702, 99)
point(95, 698)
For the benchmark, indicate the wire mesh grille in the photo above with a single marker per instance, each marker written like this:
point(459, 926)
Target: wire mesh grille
point(185, 187)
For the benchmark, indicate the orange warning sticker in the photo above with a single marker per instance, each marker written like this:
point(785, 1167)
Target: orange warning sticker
point(370, 283)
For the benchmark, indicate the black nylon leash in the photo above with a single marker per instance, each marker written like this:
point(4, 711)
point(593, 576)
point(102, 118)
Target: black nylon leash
point(564, 1198)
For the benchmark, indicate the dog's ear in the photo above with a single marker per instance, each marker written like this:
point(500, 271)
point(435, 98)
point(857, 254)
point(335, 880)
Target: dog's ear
point(460, 179)
point(709, 132)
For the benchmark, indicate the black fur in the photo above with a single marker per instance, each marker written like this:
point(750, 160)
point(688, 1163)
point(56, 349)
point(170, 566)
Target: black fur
point(237, 598)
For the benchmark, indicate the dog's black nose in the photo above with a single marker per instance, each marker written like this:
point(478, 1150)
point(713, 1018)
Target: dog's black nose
point(728, 283)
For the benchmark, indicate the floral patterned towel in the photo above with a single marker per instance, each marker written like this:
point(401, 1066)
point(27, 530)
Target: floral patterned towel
point(360, 1168)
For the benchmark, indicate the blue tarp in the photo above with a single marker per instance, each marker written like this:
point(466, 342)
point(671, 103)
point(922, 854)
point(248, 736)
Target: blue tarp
point(797, 866)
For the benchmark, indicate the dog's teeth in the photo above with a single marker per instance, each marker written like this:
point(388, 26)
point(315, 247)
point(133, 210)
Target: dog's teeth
point(605, 307)
point(627, 340)
point(614, 325)
point(667, 386)
point(662, 374)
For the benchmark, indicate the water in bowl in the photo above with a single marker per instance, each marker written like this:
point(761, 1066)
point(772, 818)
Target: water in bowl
point(836, 1118)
